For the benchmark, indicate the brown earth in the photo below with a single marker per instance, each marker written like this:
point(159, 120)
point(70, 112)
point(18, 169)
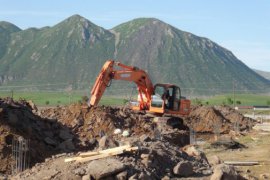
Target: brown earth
point(99, 121)
point(72, 129)
point(258, 145)
point(217, 119)
point(18, 120)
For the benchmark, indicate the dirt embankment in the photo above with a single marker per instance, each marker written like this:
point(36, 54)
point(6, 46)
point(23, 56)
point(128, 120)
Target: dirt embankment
point(73, 129)
point(100, 121)
point(217, 119)
point(47, 136)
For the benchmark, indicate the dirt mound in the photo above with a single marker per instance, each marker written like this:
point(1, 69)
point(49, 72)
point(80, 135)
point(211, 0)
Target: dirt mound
point(153, 160)
point(72, 128)
point(235, 117)
point(17, 119)
point(91, 125)
point(217, 119)
point(95, 128)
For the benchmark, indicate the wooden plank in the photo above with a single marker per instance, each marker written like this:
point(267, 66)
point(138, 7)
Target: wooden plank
point(91, 153)
point(132, 149)
point(86, 154)
point(102, 154)
point(108, 154)
point(70, 159)
point(242, 163)
point(90, 158)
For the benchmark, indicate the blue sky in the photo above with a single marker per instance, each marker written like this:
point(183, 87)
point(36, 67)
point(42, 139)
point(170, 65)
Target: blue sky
point(241, 26)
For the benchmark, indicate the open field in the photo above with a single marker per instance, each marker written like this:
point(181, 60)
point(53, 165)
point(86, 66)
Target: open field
point(59, 98)
point(56, 98)
point(244, 99)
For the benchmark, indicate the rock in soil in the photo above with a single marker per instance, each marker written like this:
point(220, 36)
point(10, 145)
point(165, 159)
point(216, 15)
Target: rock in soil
point(104, 168)
point(184, 169)
point(224, 172)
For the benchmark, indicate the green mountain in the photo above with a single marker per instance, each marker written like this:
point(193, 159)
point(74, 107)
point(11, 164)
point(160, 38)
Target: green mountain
point(73, 51)
point(62, 53)
point(6, 29)
point(175, 56)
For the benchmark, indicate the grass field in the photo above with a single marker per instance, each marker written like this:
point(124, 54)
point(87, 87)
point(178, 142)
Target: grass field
point(244, 99)
point(60, 98)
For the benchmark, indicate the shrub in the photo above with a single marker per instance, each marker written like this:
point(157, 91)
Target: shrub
point(84, 99)
point(229, 101)
point(125, 101)
point(197, 101)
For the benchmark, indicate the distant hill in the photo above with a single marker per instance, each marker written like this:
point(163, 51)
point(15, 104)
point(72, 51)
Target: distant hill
point(264, 74)
point(74, 50)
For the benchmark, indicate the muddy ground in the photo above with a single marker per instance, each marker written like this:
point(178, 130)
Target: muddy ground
point(60, 132)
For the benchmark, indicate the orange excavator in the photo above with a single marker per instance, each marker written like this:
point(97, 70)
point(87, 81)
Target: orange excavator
point(159, 99)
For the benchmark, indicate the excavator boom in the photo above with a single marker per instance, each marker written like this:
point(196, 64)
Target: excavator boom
point(126, 73)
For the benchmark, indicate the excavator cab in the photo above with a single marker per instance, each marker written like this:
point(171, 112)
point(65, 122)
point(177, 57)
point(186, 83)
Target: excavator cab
point(167, 99)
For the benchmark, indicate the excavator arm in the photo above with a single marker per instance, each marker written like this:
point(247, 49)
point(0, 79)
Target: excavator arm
point(125, 73)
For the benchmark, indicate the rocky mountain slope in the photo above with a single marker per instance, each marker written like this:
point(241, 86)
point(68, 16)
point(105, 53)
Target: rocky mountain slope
point(74, 50)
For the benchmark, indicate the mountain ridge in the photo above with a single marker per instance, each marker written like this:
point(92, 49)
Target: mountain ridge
point(75, 49)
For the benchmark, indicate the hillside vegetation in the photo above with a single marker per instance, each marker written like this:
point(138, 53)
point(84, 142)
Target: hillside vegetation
point(74, 50)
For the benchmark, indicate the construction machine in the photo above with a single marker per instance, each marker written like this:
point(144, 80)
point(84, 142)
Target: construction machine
point(158, 99)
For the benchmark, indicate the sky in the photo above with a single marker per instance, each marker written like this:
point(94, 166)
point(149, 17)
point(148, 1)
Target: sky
point(241, 26)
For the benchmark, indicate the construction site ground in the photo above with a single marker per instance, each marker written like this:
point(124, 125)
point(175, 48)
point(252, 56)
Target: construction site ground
point(162, 152)
point(257, 149)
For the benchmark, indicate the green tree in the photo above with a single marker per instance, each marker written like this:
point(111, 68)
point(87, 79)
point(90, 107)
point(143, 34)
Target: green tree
point(238, 102)
point(47, 102)
point(229, 101)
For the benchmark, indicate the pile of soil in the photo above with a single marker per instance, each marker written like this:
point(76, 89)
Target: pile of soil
point(72, 128)
point(217, 119)
point(18, 119)
point(89, 125)
point(101, 120)
point(156, 159)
